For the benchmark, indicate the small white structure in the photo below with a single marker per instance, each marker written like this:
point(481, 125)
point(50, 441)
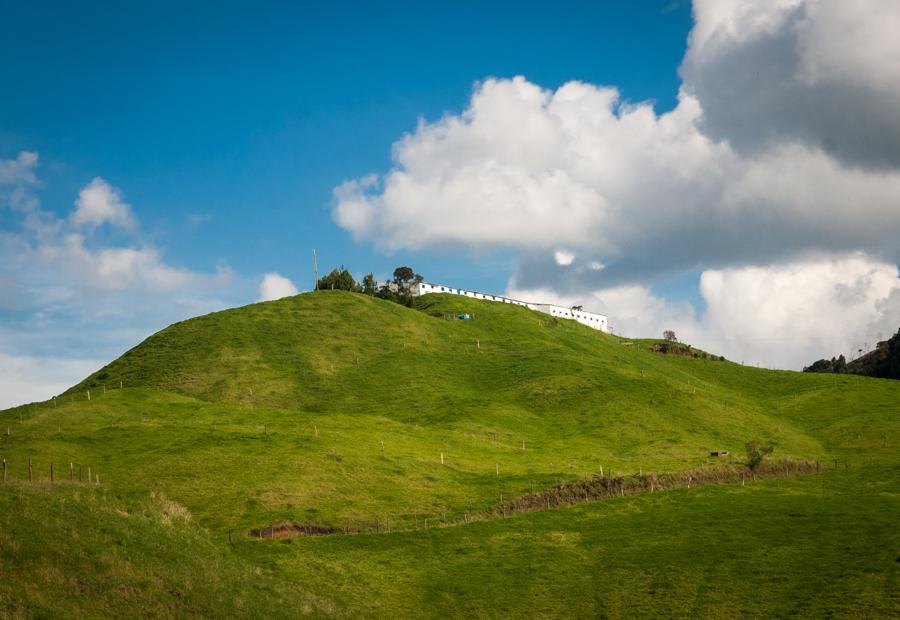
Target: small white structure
point(591, 319)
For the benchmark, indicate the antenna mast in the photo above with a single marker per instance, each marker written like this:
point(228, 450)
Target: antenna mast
point(315, 269)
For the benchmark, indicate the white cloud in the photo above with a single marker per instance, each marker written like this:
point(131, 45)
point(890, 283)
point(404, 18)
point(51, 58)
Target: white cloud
point(98, 203)
point(20, 169)
point(563, 258)
point(642, 193)
point(52, 254)
point(819, 72)
point(784, 144)
point(25, 379)
point(790, 315)
point(274, 286)
point(785, 316)
point(65, 295)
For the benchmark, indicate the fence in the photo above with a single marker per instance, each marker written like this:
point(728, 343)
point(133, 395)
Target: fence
point(597, 488)
point(77, 473)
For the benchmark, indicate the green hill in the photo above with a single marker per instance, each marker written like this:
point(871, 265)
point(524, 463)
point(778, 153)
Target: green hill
point(78, 551)
point(339, 410)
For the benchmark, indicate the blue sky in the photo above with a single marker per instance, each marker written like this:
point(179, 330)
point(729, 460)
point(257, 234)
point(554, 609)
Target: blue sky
point(249, 114)
point(727, 169)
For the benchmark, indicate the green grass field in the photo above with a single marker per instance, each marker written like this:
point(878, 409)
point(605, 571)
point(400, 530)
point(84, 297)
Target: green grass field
point(336, 409)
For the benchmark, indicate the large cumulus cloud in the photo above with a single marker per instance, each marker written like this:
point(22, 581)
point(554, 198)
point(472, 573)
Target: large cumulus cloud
point(783, 149)
point(820, 72)
point(578, 171)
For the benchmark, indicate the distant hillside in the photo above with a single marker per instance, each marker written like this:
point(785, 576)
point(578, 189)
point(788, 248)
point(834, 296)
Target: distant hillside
point(883, 362)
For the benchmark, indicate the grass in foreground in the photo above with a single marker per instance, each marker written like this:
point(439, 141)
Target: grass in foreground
point(69, 551)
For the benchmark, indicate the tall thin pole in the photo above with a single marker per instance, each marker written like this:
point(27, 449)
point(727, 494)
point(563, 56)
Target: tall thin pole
point(316, 269)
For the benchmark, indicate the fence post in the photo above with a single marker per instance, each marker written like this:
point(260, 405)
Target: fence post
point(51, 472)
point(71, 471)
point(89, 394)
point(29, 470)
point(4, 470)
point(90, 477)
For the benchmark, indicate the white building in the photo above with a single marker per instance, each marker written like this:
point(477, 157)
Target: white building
point(591, 319)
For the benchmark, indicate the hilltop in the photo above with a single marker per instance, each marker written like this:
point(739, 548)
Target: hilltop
point(337, 409)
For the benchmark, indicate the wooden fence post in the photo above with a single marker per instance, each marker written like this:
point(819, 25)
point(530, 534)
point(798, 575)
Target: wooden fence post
point(4, 470)
point(89, 394)
point(90, 477)
point(29, 470)
point(51, 472)
point(71, 471)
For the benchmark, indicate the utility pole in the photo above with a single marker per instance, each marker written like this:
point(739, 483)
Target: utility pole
point(315, 269)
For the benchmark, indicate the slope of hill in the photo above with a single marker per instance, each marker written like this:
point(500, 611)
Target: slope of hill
point(335, 409)
point(69, 551)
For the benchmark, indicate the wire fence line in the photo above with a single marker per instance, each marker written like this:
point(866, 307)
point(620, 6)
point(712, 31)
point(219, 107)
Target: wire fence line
point(77, 473)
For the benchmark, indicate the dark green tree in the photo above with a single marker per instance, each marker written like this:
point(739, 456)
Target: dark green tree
point(404, 281)
point(822, 365)
point(369, 285)
point(889, 368)
point(839, 364)
point(756, 452)
point(339, 280)
point(403, 275)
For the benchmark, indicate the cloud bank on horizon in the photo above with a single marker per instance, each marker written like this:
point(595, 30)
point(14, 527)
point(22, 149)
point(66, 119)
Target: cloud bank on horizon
point(777, 176)
point(75, 288)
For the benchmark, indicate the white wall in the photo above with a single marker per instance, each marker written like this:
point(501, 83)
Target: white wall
point(591, 319)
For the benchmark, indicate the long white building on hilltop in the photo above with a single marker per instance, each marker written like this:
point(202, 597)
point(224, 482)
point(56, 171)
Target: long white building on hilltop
point(591, 319)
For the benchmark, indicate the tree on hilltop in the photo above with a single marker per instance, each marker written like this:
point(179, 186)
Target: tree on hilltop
point(369, 285)
point(339, 280)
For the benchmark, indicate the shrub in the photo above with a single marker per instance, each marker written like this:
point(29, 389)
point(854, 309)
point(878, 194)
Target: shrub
point(756, 452)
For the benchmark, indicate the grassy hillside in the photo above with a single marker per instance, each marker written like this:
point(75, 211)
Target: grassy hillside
point(70, 551)
point(336, 409)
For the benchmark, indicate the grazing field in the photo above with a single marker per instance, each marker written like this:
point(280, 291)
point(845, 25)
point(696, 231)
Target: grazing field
point(338, 410)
